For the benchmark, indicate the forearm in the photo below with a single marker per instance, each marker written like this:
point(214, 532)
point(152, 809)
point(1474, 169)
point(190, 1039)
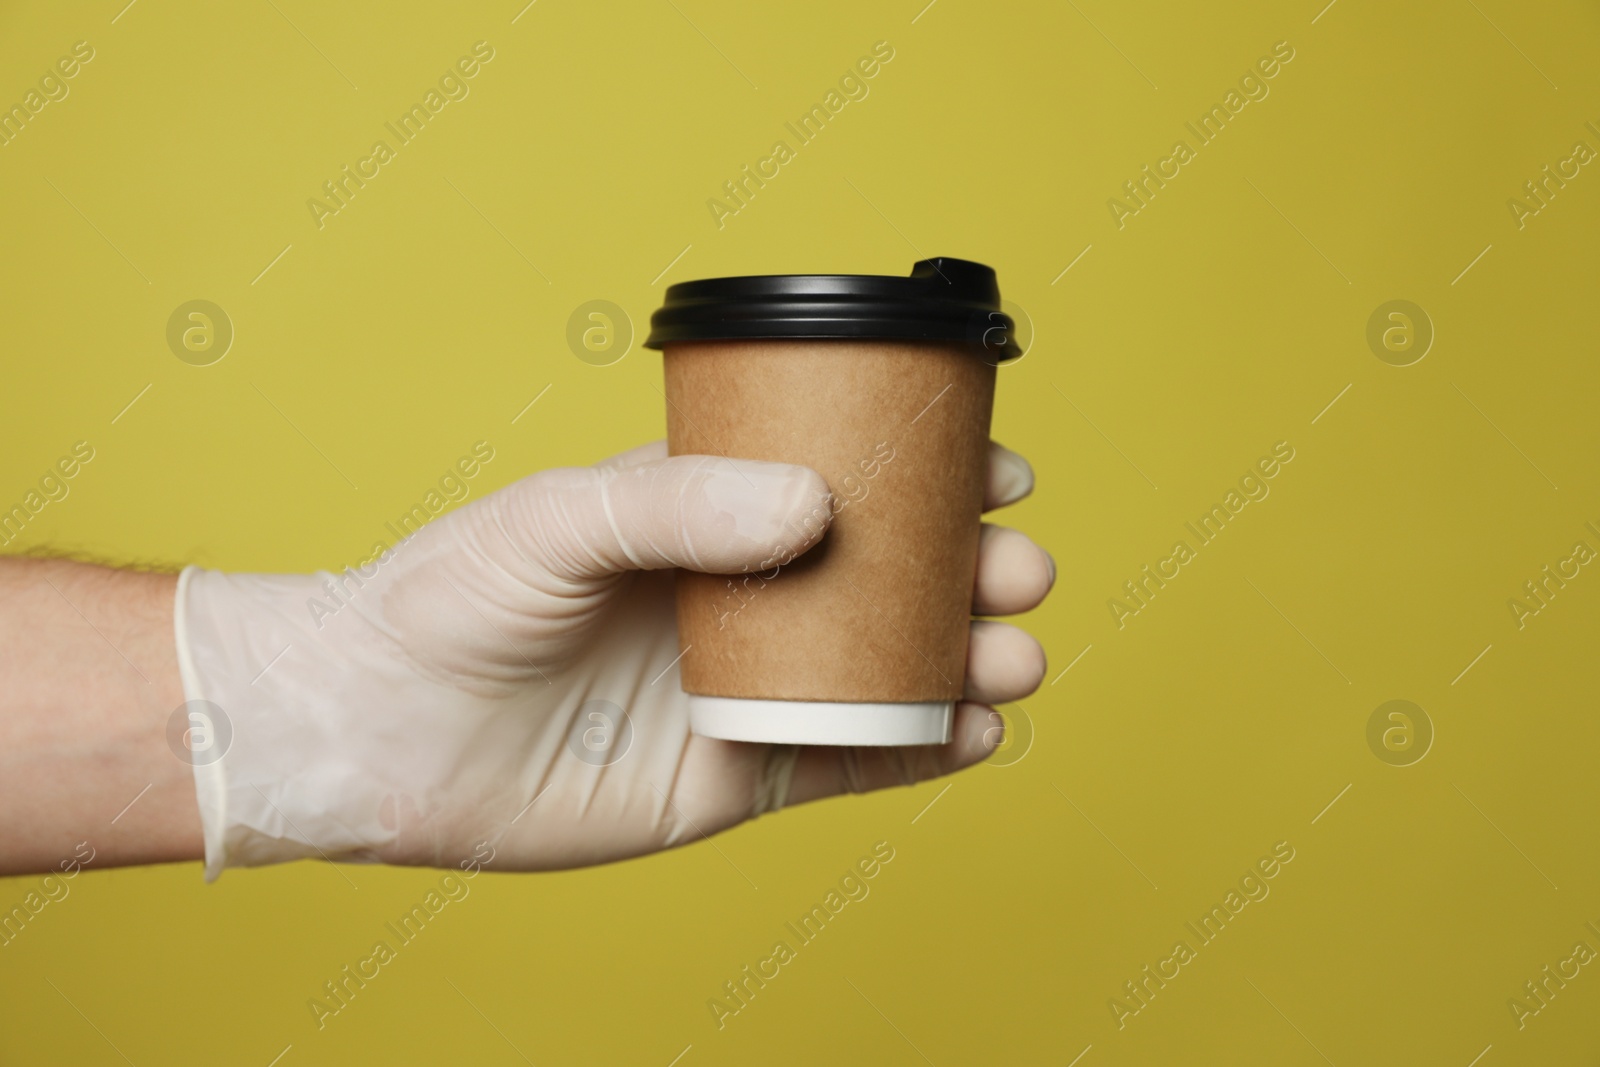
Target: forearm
point(88, 681)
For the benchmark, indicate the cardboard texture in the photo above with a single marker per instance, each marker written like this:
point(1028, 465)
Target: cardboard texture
point(879, 610)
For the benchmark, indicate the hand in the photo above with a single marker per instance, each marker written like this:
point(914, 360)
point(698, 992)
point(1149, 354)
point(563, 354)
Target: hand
point(439, 703)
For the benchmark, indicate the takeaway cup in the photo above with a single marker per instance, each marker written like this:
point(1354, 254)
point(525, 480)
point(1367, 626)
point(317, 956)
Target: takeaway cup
point(884, 385)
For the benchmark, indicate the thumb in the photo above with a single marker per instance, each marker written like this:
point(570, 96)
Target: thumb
point(703, 513)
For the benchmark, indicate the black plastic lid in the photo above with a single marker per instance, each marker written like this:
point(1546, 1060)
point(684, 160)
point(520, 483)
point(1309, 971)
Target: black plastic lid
point(944, 299)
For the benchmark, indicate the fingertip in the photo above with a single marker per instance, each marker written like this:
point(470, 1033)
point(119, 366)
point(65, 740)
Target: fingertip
point(803, 506)
point(981, 730)
point(1004, 663)
point(813, 490)
point(1014, 572)
point(750, 514)
point(1010, 477)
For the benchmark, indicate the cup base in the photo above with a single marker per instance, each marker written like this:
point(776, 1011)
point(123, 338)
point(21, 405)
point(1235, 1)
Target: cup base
point(818, 722)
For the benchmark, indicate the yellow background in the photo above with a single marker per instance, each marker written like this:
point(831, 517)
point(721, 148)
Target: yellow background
point(1223, 318)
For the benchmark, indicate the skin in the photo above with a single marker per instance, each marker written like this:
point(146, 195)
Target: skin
point(89, 674)
point(89, 679)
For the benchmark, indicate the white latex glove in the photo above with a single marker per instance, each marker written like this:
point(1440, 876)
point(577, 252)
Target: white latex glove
point(449, 702)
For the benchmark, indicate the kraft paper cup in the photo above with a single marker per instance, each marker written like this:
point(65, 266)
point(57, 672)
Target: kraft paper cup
point(885, 387)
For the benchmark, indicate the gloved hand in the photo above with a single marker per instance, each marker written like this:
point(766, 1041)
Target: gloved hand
point(443, 704)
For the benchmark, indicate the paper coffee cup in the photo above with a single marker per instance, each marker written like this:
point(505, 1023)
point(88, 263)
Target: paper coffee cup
point(885, 387)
